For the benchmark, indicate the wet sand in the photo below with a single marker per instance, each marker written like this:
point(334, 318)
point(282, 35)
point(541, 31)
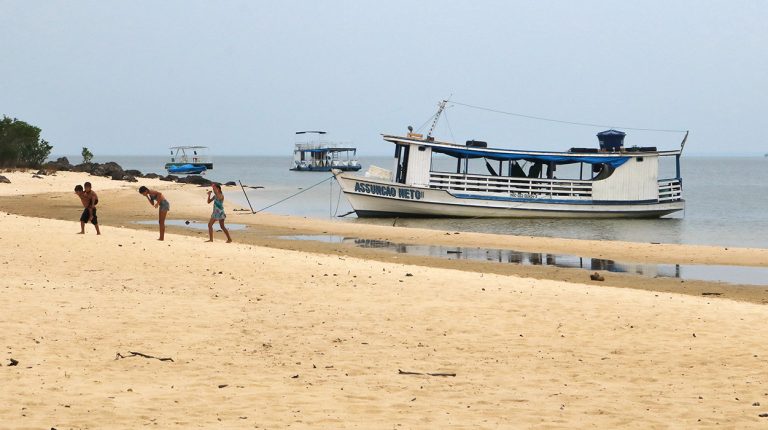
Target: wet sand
point(266, 333)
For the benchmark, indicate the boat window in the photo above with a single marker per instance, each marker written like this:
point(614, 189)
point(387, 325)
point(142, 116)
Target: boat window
point(515, 170)
point(490, 168)
point(535, 170)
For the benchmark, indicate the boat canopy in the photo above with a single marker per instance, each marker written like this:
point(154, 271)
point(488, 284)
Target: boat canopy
point(459, 152)
point(327, 149)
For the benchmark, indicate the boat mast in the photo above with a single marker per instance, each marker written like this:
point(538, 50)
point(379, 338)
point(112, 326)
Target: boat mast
point(441, 107)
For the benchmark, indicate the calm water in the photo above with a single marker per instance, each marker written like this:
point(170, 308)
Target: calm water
point(726, 201)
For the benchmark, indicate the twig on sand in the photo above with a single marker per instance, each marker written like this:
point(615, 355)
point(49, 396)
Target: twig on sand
point(139, 354)
point(403, 372)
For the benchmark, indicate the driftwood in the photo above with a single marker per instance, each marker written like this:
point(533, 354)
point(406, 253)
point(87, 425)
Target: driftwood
point(403, 372)
point(139, 354)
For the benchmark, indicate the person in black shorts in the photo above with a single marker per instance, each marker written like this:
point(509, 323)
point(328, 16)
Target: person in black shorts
point(89, 200)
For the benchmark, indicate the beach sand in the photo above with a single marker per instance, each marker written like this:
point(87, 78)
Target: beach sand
point(263, 336)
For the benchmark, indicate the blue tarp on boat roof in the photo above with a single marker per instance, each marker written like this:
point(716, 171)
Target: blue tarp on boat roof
point(613, 161)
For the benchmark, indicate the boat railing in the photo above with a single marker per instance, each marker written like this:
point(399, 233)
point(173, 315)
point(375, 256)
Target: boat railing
point(670, 190)
point(512, 186)
point(323, 144)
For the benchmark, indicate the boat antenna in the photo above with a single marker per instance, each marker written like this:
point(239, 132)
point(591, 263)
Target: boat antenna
point(682, 144)
point(440, 109)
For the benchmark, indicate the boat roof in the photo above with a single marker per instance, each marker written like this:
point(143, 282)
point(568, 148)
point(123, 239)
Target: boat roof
point(457, 150)
point(309, 147)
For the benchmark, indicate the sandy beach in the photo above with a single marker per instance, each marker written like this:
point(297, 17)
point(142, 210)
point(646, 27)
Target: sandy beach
point(124, 331)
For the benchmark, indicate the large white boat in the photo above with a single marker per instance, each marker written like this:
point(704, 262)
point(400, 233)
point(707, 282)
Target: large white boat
point(431, 178)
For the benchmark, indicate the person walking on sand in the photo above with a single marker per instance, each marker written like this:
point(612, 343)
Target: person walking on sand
point(89, 207)
point(156, 199)
point(218, 211)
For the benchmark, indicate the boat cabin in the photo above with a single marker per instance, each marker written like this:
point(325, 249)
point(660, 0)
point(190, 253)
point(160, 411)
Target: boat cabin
point(314, 153)
point(607, 173)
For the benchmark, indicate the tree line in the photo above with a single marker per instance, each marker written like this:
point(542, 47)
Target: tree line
point(20, 144)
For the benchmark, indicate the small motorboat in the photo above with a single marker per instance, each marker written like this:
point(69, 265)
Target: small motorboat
point(187, 169)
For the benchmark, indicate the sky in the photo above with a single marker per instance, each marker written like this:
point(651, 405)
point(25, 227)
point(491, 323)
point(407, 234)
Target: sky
point(135, 77)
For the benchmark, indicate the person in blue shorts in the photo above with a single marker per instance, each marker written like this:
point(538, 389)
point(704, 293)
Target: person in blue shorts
point(218, 211)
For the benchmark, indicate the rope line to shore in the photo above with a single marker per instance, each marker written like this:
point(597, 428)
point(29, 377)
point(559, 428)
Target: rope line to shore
point(294, 195)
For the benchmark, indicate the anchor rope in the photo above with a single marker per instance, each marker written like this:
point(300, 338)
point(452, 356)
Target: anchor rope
point(294, 195)
point(587, 124)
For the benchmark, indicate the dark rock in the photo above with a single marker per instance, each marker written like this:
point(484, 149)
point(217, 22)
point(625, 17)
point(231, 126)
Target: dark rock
point(37, 176)
point(134, 173)
point(230, 184)
point(110, 169)
point(61, 163)
point(169, 178)
point(130, 178)
point(14, 362)
point(84, 167)
point(763, 415)
point(150, 175)
point(4, 180)
point(194, 179)
point(596, 277)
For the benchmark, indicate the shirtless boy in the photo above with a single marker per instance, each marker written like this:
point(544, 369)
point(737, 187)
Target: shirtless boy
point(89, 199)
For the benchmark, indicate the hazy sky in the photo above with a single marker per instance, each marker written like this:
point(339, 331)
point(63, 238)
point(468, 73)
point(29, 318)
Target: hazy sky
point(134, 77)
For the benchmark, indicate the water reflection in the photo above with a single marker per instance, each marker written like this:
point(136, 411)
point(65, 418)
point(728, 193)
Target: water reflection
point(728, 274)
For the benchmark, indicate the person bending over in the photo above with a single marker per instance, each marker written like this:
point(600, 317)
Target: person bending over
point(156, 199)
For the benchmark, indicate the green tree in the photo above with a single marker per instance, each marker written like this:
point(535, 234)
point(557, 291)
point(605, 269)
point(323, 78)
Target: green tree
point(87, 155)
point(20, 144)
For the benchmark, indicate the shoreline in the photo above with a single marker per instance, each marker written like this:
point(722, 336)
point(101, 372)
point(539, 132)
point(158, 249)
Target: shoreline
point(123, 209)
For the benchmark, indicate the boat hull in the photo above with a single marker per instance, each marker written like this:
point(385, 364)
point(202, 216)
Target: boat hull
point(326, 168)
point(208, 166)
point(186, 169)
point(372, 198)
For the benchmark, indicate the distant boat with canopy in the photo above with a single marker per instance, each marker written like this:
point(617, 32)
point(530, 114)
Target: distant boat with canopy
point(316, 154)
point(188, 160)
